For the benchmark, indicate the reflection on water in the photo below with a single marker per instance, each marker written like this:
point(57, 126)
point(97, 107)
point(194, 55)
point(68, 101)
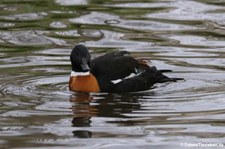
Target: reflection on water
point(86, 107)
point(38, 111)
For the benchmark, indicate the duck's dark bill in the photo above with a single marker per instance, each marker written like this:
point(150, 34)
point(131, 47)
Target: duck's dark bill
point(84, 65)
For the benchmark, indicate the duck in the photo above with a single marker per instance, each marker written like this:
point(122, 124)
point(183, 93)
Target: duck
point(113, 72)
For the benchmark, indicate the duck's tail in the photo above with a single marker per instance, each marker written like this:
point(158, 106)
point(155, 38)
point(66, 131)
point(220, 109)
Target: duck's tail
point(157, 76)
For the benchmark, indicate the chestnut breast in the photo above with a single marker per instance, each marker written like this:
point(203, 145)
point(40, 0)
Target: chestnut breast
point(84, 83)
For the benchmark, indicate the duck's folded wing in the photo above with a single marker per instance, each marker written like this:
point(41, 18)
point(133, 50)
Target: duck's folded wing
point(143, 81)
point(114, 66)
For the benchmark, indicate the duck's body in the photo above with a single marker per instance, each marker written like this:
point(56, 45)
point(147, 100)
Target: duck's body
point(108, 73)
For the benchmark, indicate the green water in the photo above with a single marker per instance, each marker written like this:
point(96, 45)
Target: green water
point(38, 111)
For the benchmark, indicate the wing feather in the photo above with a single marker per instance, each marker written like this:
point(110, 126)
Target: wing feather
point(113, 66)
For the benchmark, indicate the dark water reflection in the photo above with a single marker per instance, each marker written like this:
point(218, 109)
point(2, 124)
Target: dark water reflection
point(38, 111)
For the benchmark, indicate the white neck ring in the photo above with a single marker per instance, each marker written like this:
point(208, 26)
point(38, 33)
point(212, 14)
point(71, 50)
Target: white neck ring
point(75, 74)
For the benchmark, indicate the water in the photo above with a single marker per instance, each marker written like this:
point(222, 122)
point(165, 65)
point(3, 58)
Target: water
point(38, 111)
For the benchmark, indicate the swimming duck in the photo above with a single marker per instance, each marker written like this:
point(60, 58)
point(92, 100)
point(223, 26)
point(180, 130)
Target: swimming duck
point(112, 72)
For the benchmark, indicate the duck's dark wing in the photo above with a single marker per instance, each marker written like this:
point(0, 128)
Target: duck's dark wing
point(143, 81)
point(113, 66)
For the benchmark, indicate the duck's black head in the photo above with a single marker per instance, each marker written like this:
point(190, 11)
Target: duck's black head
point(80, 58)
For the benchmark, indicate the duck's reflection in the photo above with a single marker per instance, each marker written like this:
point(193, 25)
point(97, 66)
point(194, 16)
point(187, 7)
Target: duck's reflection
point(82, 114)
point(82, 122)
point(86, 106)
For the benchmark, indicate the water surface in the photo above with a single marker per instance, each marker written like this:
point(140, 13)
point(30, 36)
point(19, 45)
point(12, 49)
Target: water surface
point(38, 111)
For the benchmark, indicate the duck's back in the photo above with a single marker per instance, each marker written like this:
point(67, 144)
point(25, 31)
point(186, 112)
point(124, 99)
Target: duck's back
point(113, 66)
